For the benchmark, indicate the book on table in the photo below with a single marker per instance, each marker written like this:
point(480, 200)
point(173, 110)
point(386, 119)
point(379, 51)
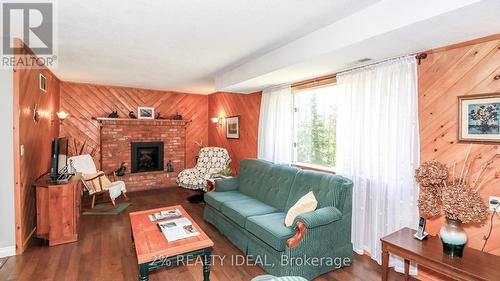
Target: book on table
point(177, 229)
point(167, 214)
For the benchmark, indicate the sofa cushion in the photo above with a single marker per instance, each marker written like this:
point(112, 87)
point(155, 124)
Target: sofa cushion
point(215, 199)
point(254, 176)
point(239, 210)
point(271, 229)
point(276, 189)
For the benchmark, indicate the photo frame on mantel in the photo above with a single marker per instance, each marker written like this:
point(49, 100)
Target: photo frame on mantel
point(233, 127)
point(479, 118)
point(145, 112)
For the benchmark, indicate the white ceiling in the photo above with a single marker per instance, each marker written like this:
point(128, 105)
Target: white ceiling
point(201, 46)
point(179, 45)
point(386, 29)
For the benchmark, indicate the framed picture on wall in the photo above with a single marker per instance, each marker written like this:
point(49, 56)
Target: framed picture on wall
point(145, 112)
point(42, 83)
point(479, 118)
point(233, 127)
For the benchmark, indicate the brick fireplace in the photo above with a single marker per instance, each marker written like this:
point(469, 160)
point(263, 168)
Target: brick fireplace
point(146, 147)
point(146, 156)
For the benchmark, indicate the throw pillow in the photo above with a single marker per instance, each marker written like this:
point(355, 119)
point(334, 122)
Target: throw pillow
point(306, 203)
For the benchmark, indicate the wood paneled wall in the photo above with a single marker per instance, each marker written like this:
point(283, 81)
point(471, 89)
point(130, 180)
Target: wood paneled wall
point(465, 69)
point(35, 138)
point(85, 101)
point(247, 106)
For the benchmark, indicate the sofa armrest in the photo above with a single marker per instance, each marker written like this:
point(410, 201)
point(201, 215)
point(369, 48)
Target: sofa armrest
point(227, 184)
point(319, 217)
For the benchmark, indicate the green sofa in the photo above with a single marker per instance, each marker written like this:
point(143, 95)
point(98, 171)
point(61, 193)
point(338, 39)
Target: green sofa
point(250, 211)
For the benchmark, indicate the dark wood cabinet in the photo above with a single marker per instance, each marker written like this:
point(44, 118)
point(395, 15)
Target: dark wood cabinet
point(58, 208)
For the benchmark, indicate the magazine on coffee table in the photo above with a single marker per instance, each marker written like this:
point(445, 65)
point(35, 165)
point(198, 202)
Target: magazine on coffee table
point(167, 214)
point(177, 229)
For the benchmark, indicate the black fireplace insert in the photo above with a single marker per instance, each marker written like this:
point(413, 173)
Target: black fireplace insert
point(147, 157)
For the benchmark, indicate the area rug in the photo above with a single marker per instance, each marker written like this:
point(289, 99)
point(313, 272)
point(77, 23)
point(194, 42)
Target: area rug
point(2, 262)
point(105, 209)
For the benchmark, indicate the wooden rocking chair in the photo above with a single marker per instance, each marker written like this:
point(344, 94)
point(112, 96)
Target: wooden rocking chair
point(97, 182)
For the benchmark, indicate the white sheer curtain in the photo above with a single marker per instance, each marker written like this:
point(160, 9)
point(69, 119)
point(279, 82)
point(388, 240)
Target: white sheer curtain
point(276, 125)
point(378, 148)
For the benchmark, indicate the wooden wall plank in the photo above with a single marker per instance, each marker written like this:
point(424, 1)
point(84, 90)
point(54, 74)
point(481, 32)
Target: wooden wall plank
point(444, 75)
point(36, 138)
point(247, 106)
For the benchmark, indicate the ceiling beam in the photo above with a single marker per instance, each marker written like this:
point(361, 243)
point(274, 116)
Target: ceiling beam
point(384, 29)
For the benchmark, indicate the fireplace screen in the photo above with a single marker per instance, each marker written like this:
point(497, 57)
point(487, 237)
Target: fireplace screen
point(147, 156)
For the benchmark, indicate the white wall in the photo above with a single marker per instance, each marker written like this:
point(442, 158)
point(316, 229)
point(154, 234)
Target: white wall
point(7, 221)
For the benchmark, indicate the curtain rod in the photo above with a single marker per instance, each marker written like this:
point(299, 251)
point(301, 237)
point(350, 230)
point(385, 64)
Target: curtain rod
point(418, 56)
point(282, 85)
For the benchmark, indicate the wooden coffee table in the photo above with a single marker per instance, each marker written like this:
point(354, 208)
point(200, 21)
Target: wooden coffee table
point(154, 251)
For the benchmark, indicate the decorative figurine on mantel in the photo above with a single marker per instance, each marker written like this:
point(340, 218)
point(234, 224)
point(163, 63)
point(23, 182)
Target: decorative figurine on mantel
point(177, 116)
point(113, 114)
point(132, 115)
point(158, 116)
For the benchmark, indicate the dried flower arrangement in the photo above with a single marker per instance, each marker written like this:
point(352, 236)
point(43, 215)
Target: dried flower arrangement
point(83, 148)
point(199, 144)
point(458, 197)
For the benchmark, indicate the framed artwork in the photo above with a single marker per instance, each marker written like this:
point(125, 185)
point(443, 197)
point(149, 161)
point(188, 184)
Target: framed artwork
point(479, 118)
point(233, 127)
point(43, 83)
point(145, 112)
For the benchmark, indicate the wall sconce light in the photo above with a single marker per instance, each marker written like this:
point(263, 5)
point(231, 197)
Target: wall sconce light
point(35, 114)
point(217, 120)
point(62, 116)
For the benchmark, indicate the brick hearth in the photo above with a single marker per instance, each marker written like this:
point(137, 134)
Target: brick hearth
point(116, 136)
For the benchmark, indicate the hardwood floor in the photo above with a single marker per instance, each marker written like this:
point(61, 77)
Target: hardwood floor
point(104, 251)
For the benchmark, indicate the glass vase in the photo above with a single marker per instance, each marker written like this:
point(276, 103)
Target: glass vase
point(453, 237)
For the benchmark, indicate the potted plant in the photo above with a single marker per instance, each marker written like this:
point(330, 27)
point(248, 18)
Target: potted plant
point(226, 172)
point(457, 197)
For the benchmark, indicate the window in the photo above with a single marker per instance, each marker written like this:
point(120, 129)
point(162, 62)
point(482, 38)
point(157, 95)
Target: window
point(315, 121)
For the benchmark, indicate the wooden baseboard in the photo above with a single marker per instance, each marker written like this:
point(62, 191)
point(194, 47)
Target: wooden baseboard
point(28, 239)
point(26, 242)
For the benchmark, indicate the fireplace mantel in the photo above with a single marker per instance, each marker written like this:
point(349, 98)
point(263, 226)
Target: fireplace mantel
point(141, 122)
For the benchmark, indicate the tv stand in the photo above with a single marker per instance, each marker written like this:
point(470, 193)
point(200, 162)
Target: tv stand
point(58, 207)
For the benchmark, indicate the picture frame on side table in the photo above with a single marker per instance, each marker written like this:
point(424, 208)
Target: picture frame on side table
point(145, 112)
point(479, 118)
point(233, 127)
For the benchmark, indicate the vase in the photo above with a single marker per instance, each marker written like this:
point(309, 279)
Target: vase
point(453, 237)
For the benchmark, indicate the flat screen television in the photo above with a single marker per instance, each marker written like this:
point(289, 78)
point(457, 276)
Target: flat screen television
point(59, 158)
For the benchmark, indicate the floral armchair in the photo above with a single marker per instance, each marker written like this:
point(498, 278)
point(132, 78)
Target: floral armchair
point(211, 161)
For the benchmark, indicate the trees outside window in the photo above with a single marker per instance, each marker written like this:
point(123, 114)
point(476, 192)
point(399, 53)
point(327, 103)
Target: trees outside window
point(315, 121)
